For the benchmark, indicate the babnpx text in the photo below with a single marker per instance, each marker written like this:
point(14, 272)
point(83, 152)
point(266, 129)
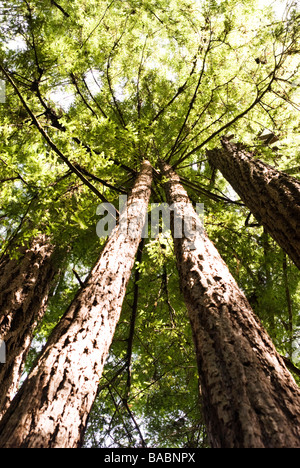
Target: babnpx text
point(150, 457)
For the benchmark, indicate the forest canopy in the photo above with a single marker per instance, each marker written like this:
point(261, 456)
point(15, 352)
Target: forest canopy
point(92, 89)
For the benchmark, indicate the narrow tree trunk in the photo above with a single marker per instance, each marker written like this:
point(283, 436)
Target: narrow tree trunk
point(272, 196)
point(250, 399)
point(24, 287)
point(52, 407)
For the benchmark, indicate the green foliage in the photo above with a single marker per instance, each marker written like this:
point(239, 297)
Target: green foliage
point(112, 83)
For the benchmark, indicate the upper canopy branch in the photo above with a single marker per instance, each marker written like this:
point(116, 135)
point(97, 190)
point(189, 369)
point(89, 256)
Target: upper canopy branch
point(50, 142)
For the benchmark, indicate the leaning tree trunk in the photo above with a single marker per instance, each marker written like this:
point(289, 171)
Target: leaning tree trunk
point(272, 196)
point(24, 287)
point(249, 398)
point(52, 407)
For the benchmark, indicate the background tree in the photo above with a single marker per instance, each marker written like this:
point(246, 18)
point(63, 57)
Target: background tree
point(231, 345)
point(272, 196)
point(25, 286)
point(63, 383)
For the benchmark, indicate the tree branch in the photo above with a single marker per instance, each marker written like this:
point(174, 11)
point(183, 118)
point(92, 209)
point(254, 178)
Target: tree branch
point(224, 127)
point(291, 366)
point(165, 286)
point(261, 89)
point(203, 191)
point(74, 81)
point(180, 90)
point(97, 104)
point(133, 318)
point(49, 140)
point(53, 2)
point(193, 100)
point(118, 110)
point(97, 179)
point(97, 26)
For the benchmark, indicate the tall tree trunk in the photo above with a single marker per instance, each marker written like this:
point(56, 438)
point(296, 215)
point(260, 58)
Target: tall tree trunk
point(24, 287)
point(272, 196)
point(249, 397)
point(52, 407)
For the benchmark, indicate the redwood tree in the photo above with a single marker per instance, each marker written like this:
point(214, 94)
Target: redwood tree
point(25, 282)
point(249, 398)
point(92, 89)
point(272, 196)
point(53, 405)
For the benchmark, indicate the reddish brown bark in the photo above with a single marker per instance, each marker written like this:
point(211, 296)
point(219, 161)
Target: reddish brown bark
point(249, 398)
point(24, 286)
point(272, 196)
point(53, 405)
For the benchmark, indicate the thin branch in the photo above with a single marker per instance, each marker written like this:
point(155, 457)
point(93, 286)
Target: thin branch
point(287, 295)
point(53, 2)
point(224, 127)
point(112, 380)
point(117, 107)
point(292, 170)
point(193, 163)
point(139, 102)
point(78, 278)
point(133, 318)
point(180, 90)
point(114, 160)
point(18, 174)
point(8, 179)
point(293, 104)
point(193, 100)
point(126, 406)
point(16, 231)
point(95, 101)
point(173, 150)
point(261, 88)
point(74, 81)
point(291, 366)
point(97, 179)
point(97, 26)
point(143, 443)
point(203, 191)
point(30, 20)
point(51, 115)
point(165, 286)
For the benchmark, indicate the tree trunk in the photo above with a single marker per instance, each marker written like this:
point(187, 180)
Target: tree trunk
point(272, 196)
point(52, 407)
point(24, 287)
point(249, 398)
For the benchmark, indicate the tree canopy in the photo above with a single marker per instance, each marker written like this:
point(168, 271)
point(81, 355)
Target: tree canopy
point(92, 89)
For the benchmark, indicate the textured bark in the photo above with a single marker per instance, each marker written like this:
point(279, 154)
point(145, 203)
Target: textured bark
point(272, 196)
point(24, 288)
point(249, 398)
point(52, 407)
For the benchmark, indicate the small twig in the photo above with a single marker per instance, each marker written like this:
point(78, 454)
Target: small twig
point(291, 366)
point(78, 278)
point(133, 318)
point(74, 81)
point(53, 2)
